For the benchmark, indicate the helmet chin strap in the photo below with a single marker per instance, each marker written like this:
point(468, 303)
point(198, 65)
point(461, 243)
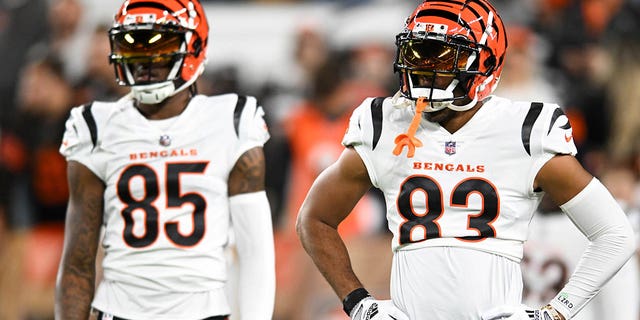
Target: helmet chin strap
point(157, 92)
point(463, 107)
point(440, 94)
point(153, 93)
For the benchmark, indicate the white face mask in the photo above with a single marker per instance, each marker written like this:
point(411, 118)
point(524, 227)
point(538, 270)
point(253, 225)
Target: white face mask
point(157, 92)
point(440, 94)
point(153, 93)
point(442, 97)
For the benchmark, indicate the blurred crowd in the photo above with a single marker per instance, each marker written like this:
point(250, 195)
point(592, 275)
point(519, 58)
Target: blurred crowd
point(581, 54)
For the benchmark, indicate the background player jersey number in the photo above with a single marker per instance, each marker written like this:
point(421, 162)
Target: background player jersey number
point(435, 207)
point(174, 200)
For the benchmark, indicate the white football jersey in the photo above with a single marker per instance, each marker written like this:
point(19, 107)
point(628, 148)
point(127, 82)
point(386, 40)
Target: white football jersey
point(472, 188)
point(166, 212)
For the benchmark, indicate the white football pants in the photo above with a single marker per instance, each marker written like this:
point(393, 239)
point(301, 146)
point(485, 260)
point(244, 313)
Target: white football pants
point(449, 283)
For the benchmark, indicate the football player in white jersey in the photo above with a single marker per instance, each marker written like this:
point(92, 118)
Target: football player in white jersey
point(169, 175)
point(462, 172)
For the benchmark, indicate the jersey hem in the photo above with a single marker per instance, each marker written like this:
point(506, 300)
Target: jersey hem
point(510, 249)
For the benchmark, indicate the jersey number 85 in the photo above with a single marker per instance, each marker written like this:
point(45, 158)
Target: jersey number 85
point(175, 199)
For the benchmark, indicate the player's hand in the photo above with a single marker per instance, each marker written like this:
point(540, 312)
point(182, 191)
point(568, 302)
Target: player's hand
point(371, 309)
point(522, 312)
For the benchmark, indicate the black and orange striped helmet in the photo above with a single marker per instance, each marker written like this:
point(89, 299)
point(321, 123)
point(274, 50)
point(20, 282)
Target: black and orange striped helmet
point(151, 34)
point(460, 39)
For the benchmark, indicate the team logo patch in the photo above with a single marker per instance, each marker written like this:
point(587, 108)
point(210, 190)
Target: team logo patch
point(140, 18)
point(450, 147)
point(165, 140)
point(430, 28)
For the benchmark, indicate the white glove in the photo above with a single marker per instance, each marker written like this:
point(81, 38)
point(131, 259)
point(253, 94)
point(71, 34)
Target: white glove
point(371, 309)
point(522, 312)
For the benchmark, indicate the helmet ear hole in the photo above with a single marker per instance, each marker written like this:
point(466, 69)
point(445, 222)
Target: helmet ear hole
point(490, 62)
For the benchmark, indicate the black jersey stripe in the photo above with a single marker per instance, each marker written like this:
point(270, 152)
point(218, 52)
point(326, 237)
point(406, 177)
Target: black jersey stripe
point(240, 104)
point(376, 119)
point(556, 114)
point(527, 126)
point(91, 123)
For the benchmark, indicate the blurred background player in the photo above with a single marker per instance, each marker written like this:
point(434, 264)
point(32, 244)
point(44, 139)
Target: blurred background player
point(167, 172)
point(462, 172)
point(554, 247)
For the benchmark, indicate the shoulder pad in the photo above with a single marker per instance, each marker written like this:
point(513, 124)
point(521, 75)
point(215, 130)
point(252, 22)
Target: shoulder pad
point(365, 124)
point(546, 129)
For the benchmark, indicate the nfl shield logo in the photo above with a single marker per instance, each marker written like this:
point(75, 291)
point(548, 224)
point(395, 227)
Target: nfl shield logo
point(450, 147)
point(165, 140)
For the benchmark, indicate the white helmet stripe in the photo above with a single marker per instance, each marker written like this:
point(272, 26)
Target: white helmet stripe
point(488, 29)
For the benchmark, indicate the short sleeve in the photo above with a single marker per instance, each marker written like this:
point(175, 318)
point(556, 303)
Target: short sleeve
point(551, 135)
point(252, 129)
point(559, 136)
point(77, 144)
point(363, 134)
point(355, 134)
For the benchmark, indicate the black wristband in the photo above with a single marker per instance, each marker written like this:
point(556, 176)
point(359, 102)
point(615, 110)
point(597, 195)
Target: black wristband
point(353, 298)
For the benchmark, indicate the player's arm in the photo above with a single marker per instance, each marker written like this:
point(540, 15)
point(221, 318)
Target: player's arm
point(251, 216)
point(76, 274)
point(330, 200)
point(598, 216)
point(562, 178)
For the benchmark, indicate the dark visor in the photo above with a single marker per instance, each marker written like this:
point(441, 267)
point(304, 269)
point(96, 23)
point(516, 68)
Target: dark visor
point(433, 55)
point(146, 43)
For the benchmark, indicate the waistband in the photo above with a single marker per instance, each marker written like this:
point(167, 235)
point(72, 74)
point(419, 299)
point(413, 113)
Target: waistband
point(103, 316)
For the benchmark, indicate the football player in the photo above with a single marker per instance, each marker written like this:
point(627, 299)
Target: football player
point(462, 172)
point(168, 174)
